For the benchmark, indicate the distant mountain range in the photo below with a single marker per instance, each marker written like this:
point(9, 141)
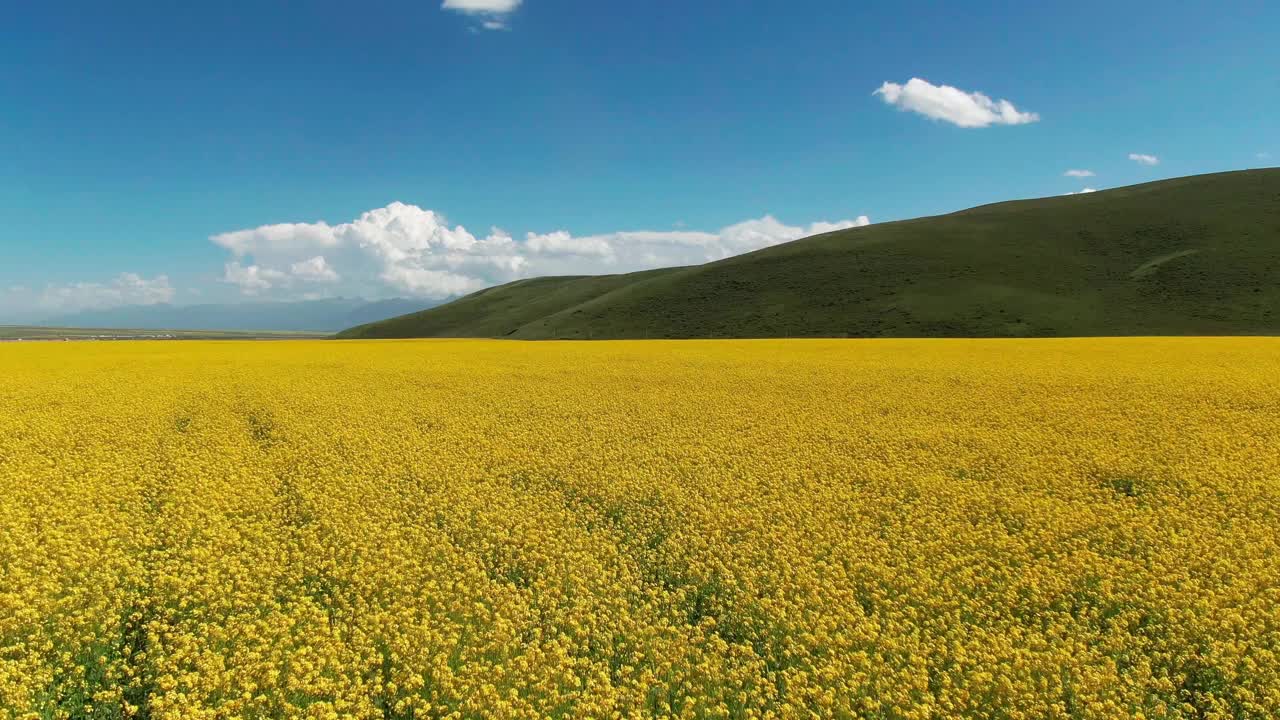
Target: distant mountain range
point(1190, 256)
point(328, 315)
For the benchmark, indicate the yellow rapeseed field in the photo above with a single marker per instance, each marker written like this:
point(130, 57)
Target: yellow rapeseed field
point(739, 529)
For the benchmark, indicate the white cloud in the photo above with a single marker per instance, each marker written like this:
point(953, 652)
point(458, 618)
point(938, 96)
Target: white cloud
point(405, 249)
point(125, 289)
point(1081, 192)
point(284, 236)
point(482, 6)
point(1264, 156)
point(756, 234)
point(255, 279)
point(492, 14)
point(1079, 173)
point(25, 303)
point(252, 279)
point(314, 269)
point(943, 102)
point(562, 243)
point(430, 283)
point(1144, 159)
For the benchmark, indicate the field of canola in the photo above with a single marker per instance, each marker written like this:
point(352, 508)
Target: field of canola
point(724, 529)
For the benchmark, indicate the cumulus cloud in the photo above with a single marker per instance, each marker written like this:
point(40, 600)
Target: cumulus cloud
point(255, 279)
point(482, 6)
point(493, 14)
point(125, 289)
point(26, 303)
point(1144, 159)
point(405, 249)
point(953, 105)
point(562, 243)
point(1079, 173)
point(1081, 192)
point(430, 283)
point(283, 237)
point(314, 269)
point(252, 279)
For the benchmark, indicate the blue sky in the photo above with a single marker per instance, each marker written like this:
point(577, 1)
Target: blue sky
point(138, 138)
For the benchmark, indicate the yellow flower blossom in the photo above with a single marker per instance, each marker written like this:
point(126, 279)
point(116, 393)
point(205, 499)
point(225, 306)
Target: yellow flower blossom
point(910, 529)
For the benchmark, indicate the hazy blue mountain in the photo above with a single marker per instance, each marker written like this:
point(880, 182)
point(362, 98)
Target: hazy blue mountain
point(327, 315)
point(376, 310)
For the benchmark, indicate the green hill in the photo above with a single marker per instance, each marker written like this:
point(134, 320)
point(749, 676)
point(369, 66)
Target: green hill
point(1192, 256)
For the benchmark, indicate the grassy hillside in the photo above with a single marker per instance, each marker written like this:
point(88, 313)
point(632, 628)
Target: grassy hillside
point(1194, 255)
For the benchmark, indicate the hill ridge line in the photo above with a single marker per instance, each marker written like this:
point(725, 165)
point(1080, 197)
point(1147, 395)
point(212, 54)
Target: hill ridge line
point(1056, 266)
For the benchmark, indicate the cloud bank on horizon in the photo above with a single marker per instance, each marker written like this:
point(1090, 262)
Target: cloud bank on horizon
point(405, 249)
point(124, 289)
point(953, 105)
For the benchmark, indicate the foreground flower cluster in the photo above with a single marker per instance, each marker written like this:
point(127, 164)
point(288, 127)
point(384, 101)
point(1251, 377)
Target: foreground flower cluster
point(739, 529)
